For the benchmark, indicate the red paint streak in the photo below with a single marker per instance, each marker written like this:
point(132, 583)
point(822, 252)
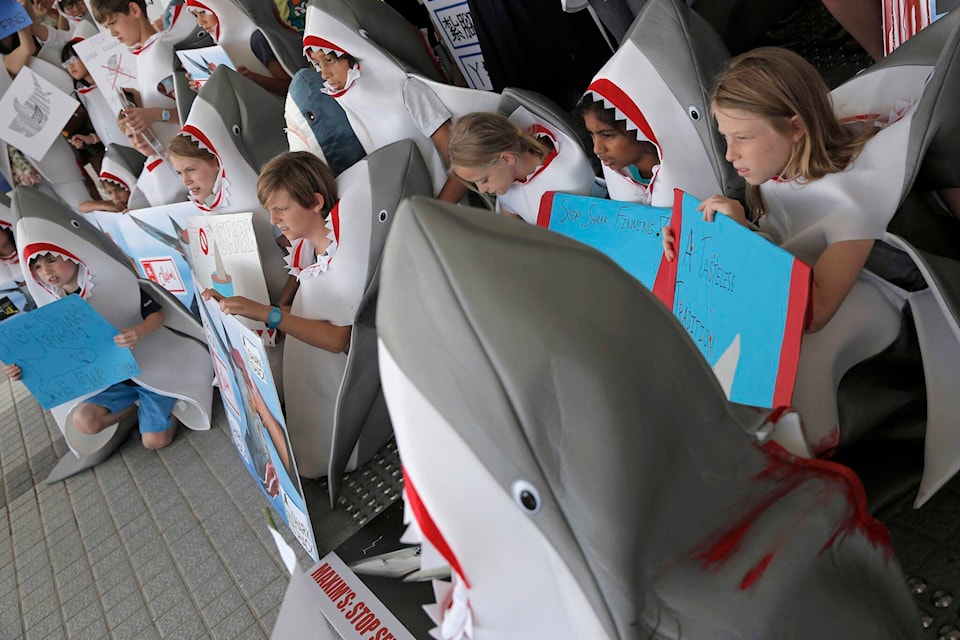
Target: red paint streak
point(545, 212)
point(756, 572)
point(786, 473)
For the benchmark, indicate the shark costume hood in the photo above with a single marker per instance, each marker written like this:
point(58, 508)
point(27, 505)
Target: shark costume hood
point(239, 20)
point(173, 359)
point(242, 125)
point(658, 82)
point(373, 98)
point(58, 167)
point(122, 165)
point(915, 89)
point(334, 408)
point(577, 487)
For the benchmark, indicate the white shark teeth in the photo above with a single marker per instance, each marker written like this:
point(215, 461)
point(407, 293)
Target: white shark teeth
point(620, 116)
point(451, 613)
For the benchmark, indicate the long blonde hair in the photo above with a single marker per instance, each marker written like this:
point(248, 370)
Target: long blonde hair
point(777, 84)
point(477, 139)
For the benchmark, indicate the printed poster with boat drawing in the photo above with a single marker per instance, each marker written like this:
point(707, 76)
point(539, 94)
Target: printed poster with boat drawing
point(742, 299)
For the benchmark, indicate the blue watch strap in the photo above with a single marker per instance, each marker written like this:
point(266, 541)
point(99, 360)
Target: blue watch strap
point(273, 320)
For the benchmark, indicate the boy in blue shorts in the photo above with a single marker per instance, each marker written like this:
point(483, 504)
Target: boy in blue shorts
point(64, 275)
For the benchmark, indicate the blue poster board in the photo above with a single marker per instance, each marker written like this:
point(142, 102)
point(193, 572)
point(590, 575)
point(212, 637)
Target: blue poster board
point(627, 232)
point(742, 299)
point(257, 426)
point(65, 350)
point(13, 17)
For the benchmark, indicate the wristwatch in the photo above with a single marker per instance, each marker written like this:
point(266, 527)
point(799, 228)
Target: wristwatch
point(273, 320)
point(165, 115)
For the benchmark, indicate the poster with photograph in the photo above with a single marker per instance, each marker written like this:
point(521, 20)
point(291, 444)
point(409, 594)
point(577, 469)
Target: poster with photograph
point(36, 113)
point(65, 350)
point(224, 256)
point(156, 241)
point(903, 19)
point(202, 62)
point(111, 65)
point(257, 426)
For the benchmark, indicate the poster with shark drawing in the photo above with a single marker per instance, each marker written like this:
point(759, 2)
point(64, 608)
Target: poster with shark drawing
point(200, 63)
point(111, 65)
point(36, 113)
point(224, 256)
point(742, 299)
point(257, 426)
point(156, 241)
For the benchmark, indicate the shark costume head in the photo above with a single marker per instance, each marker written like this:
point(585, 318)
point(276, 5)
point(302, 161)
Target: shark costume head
point(241, 124)
point(237, 22)
point(580, 489)
point(173, 359)
point(658, 83)
point(123, 166)
point(317, 123)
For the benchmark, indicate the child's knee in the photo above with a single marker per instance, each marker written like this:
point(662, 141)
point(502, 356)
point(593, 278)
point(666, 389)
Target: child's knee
point(158, 439)
point(88, 418)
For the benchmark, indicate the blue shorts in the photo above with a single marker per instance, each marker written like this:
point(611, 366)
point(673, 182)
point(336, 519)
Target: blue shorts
point(154, 412)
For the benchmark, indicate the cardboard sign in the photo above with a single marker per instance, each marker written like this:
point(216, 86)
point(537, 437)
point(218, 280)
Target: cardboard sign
point(224, 256)
point(65, 350)
point(453, 20)
point(13, 17)
point(257, 426)
point(903, 19)
point(626, 232)
point(741, 298)
point(156, 241)
point(200, 63)
point(111, 65)
point(36, 113)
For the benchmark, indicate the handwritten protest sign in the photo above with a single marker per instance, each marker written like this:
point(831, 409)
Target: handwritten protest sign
point(741, 298)
point(257, 426)
point(13, 17)
point(65, 350)
point(626, 232)
point(110, 64)
point(36, 113)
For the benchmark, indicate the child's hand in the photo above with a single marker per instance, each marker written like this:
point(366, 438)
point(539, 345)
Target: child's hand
point(238, 305)
point(127, 338)
point(727, 206)
point(666, 236)
point(192, 83)
point(79, 140)
point(13, 371)
point(137, 119)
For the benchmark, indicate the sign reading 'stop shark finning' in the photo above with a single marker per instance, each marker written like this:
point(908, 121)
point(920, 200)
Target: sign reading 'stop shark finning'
point(742, 299)
point(34, 113)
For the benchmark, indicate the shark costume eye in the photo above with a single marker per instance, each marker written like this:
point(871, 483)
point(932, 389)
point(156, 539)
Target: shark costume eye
point(526, 496)
point(311, 116)
point(235, 129)
point(694, 112)
point(383, 215)
point(75, 224)
point(363, 34)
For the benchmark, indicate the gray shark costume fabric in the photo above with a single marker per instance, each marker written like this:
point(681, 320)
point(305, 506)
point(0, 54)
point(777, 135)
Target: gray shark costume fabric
point(577, 464)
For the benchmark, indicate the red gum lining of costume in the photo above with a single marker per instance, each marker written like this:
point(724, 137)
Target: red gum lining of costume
point(536, 130)
point(316, 42)
point(106, 175)
point(429, 528)
point(153, 165)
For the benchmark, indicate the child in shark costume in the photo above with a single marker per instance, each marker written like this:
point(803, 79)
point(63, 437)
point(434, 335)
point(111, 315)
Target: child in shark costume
point(111, 286)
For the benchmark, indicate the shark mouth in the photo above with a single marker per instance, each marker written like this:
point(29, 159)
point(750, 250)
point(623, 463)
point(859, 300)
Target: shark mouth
point(195, 7)
point(626, 111)
point(219, 197)
point(451, 612)
point(115, 179)
point(316, 43)
point(84, 277)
